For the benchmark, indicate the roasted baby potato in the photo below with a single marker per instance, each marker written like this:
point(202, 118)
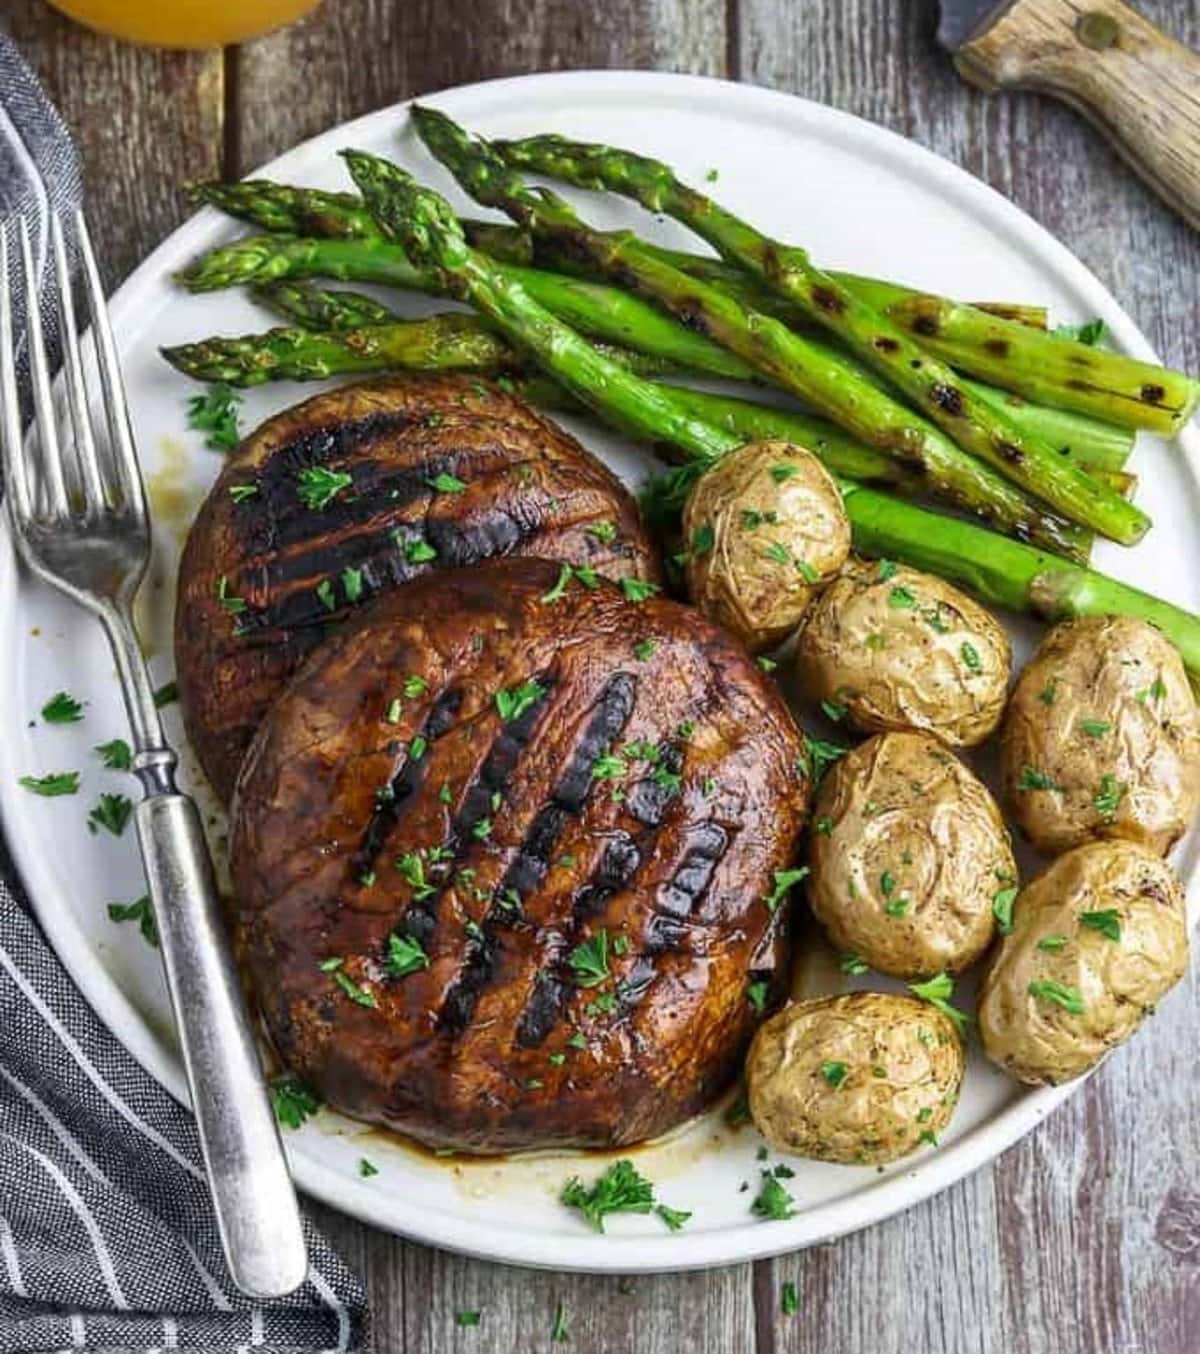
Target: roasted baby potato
point(1098, 937)
point(909, 855)
point(1102, 738)
point(764, 529)
point(887, 647)
point(860, 1078)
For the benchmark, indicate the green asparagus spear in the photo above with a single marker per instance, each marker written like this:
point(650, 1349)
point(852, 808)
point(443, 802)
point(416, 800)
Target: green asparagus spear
point(1001, 571)
point(978, 426)
point(319, 308)
point(821, 379)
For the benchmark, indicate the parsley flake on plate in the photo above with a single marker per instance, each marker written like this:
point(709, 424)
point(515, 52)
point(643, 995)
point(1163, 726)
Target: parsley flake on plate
point(637, 589)
point(789, 1299)
point(783, 881)
point(773, 1202)
point(558, 1331)
point(292, 1101)
point(445, 483)
point(52, 785)
point(139, 911)
point(621, 1189)
point(757, 993)
point(367, 1168)
point(115, 756)
point(405, 955)
point(62, 708)
point(167, 694)
point(111, 812)
point(215, 413)
point(467, 1319)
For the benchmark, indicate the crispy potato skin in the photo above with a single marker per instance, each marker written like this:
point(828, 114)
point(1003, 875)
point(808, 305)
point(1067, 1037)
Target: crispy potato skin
point(1035, 1039)
point(903, 1064)
point(900, 649)
point(530, 489)
point(529, 851)
point(759, 497)
point(902, 823)
point(1106, 696)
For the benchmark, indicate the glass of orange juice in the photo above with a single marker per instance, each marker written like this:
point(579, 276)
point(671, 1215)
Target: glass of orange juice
point(184, 23)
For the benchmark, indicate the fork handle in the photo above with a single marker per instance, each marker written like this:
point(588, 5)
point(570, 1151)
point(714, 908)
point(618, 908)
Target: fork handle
point(255, 1203)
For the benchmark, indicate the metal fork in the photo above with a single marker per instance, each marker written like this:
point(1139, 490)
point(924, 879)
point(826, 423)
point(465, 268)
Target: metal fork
point(81, 524)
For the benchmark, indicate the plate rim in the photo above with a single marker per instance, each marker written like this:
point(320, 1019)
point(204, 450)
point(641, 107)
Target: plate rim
point(616, 1252)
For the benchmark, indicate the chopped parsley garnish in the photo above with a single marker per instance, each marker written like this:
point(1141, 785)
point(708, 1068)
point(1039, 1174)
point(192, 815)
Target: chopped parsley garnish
point(367, 1168)
point(116, 756)
point(637, 589)
point(970, 656)
point(823, 827)
point(766, 664)
point(887, 569)
point(772, 1202)
point(644, 649)
point(756, 993)
point(1050, 990)
point(887, 883)
point(444, 794)
point(466, 1319)
point(853, 965)
point(1090, 333)
point(412, 870)
point(414, 685)
point(712, 175)
point(583, 574)
point(818, 757)
point(1052, 943)
point(807, 572)
point(558, 1332)
point(514, 702)
point(1156, 691)
point(1032, 779)
point(292, 1101)
point(621, 1189)
point(577, 1040)
point(62, 709)
point(234, 605)
point(673, 1217)
point(783, 881)
point(318, 486)
point(481, 829)
point(241, 492)
point(1107, 921)
point(666, 779)
point(352, 583)
point(139, 911)
point(782, 473)
point(419, 552)
point(901, 598)
point(604, 532)
point(604, 1004)
point(417, 748)
point(1095, 728)
point(215, 413)
point(445, 483)
point(1049, 693)
point(405, 955)
point(589, 960)
point(703, 540)
point(937, 991)
point(110, 812)
point(608, 766)
point(834, 1073)
point(1002, 909)
point(789, 1299)
point(167, 694)
point(395, 707)
point(778, 553)
point(1108, 798)
point(833, 710)
point(326, 595)
point(362, 996)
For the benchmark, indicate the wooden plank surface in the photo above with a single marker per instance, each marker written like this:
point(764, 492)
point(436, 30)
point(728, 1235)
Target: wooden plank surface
point(1084, 1239)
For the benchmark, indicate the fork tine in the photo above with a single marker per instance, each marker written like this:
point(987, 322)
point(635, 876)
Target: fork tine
point(115, 404)
point(85, 443)
point(39, 377)
point(11, 444)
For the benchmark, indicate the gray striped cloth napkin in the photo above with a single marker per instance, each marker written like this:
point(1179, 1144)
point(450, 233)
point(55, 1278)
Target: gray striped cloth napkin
point(107, 1238)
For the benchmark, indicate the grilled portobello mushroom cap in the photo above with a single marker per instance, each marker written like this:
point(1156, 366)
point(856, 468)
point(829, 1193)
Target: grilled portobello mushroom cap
point(501, 853)
point(354, 493)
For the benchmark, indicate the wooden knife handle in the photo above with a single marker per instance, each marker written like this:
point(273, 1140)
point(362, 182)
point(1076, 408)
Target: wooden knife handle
point(1140, 87)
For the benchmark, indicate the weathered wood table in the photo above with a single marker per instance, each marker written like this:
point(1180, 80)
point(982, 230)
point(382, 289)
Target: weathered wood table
point(1085, 1238)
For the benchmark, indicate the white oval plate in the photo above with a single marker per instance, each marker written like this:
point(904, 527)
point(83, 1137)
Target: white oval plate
point(861, 198)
